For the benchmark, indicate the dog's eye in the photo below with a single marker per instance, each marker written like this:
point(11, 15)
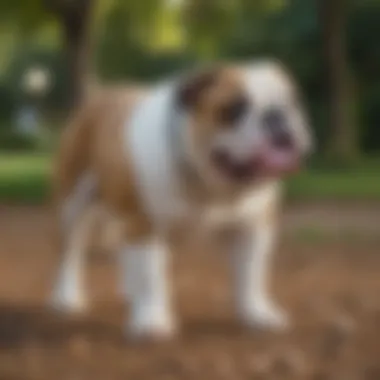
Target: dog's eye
point(230, 113)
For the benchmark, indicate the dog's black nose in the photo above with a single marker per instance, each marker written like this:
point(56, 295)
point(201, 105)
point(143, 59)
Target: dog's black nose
point(276, 126)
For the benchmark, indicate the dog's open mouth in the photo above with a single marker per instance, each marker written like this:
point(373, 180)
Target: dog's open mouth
point(278, 162)
point(268, 162)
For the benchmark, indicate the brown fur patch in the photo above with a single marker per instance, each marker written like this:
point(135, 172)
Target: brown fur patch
point(93, 142)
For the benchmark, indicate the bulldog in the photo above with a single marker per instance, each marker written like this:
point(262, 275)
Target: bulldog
point(209, 148)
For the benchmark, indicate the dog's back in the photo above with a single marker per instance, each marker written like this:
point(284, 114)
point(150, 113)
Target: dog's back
point(94, 127)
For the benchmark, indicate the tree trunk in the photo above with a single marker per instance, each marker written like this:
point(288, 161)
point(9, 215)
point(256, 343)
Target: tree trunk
point(75, 17)
point(343, 144)
point(76, 26)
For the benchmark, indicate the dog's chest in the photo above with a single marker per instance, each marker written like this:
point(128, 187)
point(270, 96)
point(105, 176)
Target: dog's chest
point(245, 208)
point(146, 142)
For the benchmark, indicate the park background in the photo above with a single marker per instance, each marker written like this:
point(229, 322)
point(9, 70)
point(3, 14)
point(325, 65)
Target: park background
point(52, 52)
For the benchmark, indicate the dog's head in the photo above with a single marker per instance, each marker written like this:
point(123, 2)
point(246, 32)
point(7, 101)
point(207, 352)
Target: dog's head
point(244, 122)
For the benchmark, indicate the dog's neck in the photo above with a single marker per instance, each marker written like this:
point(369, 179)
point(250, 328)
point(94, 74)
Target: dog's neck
point(193, 183)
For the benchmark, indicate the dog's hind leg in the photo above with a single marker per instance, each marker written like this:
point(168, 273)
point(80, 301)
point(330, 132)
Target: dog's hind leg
point(78, 214)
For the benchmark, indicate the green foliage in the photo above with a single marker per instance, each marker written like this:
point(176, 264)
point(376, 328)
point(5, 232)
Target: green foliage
point(7, 103)
point(148, 39)
point(121, 54)
point(11, 141)
point(26, 15)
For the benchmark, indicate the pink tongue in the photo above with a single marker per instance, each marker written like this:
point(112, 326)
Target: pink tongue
point(278, 161)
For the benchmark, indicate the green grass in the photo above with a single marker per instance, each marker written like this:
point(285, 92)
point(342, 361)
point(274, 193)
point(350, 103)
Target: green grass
point(317, 234)
point(350, 185)
point(25, 178)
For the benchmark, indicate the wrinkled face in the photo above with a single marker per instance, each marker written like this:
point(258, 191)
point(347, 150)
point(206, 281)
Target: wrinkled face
point(245, 123)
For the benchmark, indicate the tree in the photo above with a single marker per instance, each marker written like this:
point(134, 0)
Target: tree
point(343, 144)
point(75, 18)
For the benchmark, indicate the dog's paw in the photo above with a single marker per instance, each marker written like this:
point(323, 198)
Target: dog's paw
point(66, 301)
point(151, 326)
point(265, 315)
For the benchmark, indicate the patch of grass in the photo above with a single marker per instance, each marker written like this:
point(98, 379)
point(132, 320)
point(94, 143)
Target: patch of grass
point(24, 177)
point(339, 185)
point(314, 234)
point(327, 181)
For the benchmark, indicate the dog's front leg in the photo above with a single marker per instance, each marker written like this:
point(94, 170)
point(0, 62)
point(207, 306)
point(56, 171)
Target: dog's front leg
point(145, 267)
point(252, 252)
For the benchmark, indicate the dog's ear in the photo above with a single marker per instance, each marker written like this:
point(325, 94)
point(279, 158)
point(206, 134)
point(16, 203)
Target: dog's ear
point(191, 88)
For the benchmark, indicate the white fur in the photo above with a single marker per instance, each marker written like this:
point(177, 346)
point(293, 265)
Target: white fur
point(241, 142)
point(252, 255)
point(69, 290)
point(145, 271)
point(269, 86)
point(252, 249)
point(252, 206)
point(146, 139)
point(252, 260)
point(68, 293)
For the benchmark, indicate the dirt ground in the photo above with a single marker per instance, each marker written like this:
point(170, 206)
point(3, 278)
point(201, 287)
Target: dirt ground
point(331, 290)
